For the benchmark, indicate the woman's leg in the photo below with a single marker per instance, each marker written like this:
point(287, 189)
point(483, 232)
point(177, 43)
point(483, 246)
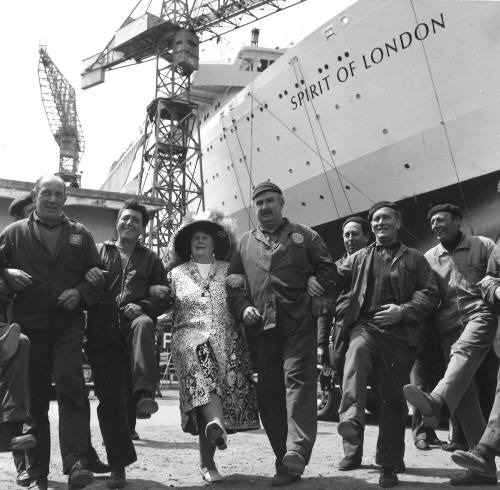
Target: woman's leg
point(212, 411)
point(207, 451)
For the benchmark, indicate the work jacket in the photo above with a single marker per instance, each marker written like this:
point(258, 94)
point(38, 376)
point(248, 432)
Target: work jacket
point(457, 274)
point(278, 274)
point(34, 308)
point(106, 324)
point(412, 281)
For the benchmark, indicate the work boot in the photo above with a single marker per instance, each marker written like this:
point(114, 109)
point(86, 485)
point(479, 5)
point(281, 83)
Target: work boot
point(348, 463)
point(79, 477)
point(146, 405)
point(294, 462)
point(481, 458)
point(430, 405)
point(117, 479)
point(11, 438)
point(388, 477)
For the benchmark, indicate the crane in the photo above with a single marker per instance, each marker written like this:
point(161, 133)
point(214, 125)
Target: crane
point(59, 101)
point(171, 158)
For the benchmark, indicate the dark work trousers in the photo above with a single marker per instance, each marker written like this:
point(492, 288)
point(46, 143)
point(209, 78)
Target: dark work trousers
point(387, 353)
point(110, 368)
point(58, 351)
point(426, 372)
point(286, 389)
point(131, 402)
point(141, 340)
point(14, 390)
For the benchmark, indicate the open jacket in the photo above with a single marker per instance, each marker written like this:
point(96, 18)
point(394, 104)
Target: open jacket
point(412, 281)
point(144, 269)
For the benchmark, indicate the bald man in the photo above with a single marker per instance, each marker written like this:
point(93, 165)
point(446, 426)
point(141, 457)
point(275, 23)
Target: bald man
point(47, 256)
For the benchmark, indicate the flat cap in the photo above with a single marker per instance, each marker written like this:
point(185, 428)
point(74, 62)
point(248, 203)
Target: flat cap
point(448, 208)
point(382, 204)
point(17, 205)
point(266, 186)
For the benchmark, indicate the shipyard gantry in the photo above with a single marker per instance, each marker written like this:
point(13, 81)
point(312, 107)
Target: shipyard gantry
point(171, 158)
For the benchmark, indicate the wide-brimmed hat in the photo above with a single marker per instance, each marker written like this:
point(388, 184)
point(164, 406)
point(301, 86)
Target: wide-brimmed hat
point(212, 222)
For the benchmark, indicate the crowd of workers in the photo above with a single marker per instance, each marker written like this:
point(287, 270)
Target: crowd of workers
point(269, 303)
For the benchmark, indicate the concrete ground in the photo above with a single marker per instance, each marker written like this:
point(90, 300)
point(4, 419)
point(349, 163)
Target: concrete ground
point(167, 458)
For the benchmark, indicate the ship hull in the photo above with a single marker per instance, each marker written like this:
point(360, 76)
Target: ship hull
point(390, 100)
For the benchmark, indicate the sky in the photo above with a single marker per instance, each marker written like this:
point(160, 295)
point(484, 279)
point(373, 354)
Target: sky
point(112, 113)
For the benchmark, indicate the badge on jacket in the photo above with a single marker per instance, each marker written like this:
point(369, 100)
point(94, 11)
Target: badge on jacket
point(297, 238)
point(75, 239)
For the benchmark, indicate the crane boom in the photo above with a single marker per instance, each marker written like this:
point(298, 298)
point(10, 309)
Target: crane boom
point(59, 101)
point(139, 36)
point(171, 167)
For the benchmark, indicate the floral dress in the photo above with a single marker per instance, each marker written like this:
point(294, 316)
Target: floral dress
point(209, 349)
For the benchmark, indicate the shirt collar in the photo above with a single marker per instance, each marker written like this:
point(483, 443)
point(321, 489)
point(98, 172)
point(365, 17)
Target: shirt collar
point(392, 247)
point(464, 243)
point(281, 226)
point(62, 219)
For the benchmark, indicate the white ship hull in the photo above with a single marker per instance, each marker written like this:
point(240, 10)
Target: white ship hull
point(389, 100)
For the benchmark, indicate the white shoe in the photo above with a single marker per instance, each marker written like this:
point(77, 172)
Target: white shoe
point(216, 434)
point(210, 476)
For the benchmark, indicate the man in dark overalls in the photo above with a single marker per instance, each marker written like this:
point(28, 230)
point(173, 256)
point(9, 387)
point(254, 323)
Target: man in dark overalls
point(48, 255)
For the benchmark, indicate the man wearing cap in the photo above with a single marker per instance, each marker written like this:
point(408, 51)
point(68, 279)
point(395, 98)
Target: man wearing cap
point(47, 256)
point(467, 327)
point(120, 330)
point(392, 290)
point(277, 258)
point(21, 207)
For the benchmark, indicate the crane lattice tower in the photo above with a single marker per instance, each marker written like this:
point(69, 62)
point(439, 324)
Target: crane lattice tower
point(59, 101)
point(172, 160)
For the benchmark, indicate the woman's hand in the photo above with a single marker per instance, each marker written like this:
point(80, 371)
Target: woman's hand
point(159, 291)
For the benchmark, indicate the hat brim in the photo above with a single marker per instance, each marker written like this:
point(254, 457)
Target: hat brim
point(222, 242)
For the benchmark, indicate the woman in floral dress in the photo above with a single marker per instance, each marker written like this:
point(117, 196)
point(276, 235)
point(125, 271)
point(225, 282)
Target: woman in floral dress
point(209, 350)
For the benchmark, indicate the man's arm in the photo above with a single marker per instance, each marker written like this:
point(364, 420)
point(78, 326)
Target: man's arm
point(16, 279)
point(324, 267)
point(425, 298)
point(490, 284)
point(154, 305)
point(88, 292)
point(237, 297)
